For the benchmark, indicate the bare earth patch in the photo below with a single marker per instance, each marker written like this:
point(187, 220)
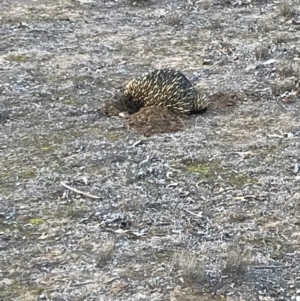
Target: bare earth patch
point(155, 120)
point(203, 207)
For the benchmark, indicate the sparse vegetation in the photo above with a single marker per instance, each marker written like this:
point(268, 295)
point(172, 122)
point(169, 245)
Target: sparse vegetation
point(212, 171)
point(16, 58)
point(287, 8)
point(105, 253)
point(218, 185)
point(262, 52)
point(280, 38)
point(190, 268)
point(288, 69)
point(265, 25)
point(235, 264)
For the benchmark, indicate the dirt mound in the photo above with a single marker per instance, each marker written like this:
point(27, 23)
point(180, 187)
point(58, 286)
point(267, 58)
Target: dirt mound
point(155, 120)
point(148, 120)
point(158, 120)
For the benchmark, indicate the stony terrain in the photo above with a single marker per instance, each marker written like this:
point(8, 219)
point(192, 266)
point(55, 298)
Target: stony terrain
point(102, 208)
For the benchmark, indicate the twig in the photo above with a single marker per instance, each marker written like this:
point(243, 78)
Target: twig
point(111, 280)
point(137, 143)
point(270, 267)
point(192, 213)
point(81, 283)
point(216, 63)
point(275, 136)
point(80, 192)
point(250, 196)
point(144, 161)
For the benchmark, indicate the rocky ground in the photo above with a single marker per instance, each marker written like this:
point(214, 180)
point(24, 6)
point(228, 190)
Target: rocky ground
point(109, 208)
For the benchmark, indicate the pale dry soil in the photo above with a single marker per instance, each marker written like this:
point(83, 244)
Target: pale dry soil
point(207, 213)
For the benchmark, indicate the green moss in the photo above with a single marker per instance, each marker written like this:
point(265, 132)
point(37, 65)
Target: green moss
point(114, 136)
point(204, 171)
point(43, 144)
point(36, 291)
point(4, 174)
point(211, 171)
point(7, 228)
point(28, 174)
point(24, 175)
point(47, 148)
point(17, 58)
point(36, 221)
point(72, 101)
point(238, 180)
point(21, 289)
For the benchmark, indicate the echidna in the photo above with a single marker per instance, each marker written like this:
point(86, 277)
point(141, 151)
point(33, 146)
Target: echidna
point(164, 87)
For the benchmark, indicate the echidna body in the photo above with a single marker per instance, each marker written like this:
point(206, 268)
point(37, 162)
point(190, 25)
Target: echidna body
point(164, 87)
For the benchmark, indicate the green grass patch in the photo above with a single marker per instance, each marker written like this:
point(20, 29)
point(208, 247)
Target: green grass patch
point(17, 58)
point(212, 171)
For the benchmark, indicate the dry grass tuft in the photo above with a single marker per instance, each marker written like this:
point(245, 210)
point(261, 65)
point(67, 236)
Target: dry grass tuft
point(265, 25)
point(287, 9)
point(105, 253)
point(235, 263)
point(261, 52)
point(280, 38)
point(190, 269)
point(284, 85)
point(287, 69)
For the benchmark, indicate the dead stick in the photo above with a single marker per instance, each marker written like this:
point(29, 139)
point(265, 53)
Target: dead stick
point(271, 267)
point(80, 192)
